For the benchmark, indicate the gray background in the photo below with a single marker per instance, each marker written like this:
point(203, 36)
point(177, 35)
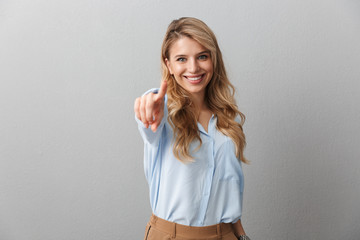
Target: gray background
point(70, 154)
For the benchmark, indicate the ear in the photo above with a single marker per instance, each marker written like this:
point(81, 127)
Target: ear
point(168, 65)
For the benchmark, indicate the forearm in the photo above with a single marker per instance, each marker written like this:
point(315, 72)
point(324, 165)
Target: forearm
point(238, 229)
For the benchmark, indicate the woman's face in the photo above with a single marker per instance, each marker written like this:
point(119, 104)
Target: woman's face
point(191, 65)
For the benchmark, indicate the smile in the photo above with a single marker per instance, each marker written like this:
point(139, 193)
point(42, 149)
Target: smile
point(195, 79)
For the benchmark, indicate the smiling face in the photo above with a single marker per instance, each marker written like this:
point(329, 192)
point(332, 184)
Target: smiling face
point(191, 65)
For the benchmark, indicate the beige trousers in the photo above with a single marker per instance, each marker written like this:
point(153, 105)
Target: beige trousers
point(160, 229)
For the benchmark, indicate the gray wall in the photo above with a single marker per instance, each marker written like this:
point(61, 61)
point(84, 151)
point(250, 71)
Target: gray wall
point(70, 154)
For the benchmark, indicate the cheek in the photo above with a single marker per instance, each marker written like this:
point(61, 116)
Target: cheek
point(210, 70)
point(207, 66)
point(178, 70)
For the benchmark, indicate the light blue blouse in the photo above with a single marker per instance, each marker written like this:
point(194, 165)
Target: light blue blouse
point(206, 192)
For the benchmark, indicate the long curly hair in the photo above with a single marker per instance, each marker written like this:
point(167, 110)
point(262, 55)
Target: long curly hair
point(219, 93)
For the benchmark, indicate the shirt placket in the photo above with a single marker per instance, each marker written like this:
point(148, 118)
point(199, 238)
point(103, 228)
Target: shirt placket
point(209, 175)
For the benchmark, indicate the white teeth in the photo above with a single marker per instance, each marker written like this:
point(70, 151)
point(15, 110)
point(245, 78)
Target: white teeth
point(194, 79)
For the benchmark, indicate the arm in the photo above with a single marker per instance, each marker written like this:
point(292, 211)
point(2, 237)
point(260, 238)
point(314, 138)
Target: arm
point(238, 229)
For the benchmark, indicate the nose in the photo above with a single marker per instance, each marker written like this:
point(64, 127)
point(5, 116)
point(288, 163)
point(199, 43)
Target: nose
point(193, 66)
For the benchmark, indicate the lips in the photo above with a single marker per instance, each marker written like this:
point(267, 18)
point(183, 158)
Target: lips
point(194, 79)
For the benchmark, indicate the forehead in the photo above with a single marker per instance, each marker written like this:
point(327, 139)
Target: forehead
point(186, 46)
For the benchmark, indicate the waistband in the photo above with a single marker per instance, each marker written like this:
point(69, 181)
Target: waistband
point(175, 229)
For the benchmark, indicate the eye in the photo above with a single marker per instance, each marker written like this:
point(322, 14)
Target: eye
point(181, 59)
point(203, 57)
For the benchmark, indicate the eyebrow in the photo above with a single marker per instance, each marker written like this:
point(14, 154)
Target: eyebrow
point(181, 55)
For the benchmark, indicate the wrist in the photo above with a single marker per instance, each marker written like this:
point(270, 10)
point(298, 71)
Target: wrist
point(243, 237)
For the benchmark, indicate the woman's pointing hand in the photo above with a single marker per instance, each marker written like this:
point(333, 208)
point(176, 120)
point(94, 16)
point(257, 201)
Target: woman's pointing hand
point(150, 108)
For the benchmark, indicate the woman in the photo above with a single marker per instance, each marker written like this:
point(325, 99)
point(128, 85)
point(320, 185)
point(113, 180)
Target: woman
point(193, 140)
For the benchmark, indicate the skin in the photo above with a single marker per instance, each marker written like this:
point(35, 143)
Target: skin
point(187, 59)
point(190, 60)
point(150, 108)
point(238, 229)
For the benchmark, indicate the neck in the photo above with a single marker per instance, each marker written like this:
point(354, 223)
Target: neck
point(199, 102)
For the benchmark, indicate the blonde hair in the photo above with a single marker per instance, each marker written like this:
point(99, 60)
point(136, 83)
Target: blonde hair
point(219, 95)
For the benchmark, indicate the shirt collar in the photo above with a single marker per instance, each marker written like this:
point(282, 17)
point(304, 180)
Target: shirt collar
point(211, 125)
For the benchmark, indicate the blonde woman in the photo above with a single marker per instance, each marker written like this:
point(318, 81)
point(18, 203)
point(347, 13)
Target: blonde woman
point(193, 140)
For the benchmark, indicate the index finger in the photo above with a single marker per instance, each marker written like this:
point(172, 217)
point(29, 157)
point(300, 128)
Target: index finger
point(162, 90)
